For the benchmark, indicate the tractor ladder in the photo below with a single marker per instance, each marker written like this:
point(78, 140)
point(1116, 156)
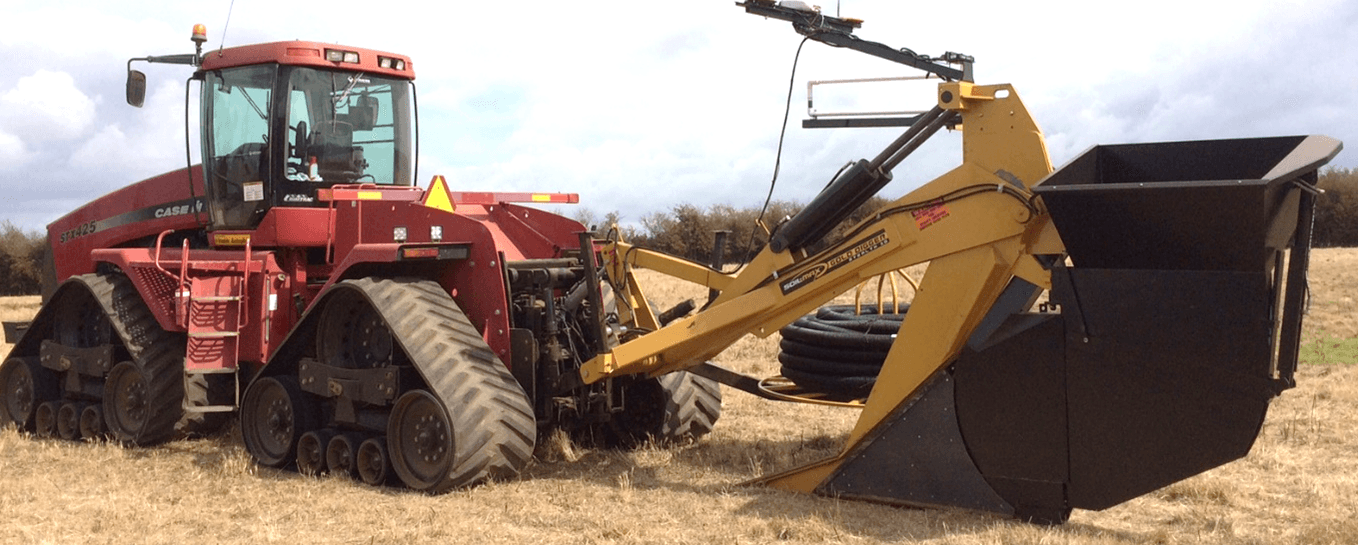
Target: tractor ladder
point(210, 305)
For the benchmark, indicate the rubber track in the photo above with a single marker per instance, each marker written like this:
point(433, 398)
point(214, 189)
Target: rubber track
point(493, 423)
point(159, 354)
point(692, 407)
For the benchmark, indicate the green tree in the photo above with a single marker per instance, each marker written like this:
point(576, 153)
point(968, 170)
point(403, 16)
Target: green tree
point(21, 255)
point(1337, 209)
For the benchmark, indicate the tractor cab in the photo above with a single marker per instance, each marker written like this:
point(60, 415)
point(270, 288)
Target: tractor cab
point(282, 120)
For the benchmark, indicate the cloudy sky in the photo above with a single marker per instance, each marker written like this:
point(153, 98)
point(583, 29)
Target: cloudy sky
point(639, 106)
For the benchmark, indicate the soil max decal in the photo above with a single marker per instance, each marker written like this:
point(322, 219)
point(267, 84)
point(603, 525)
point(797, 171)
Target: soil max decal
point(873, 242)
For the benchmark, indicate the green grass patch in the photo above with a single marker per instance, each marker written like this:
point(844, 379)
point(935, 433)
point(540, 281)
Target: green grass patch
point(1329, 350)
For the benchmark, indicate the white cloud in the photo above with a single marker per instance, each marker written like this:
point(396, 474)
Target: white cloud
point(13, 153)
point(640, 106)
point(46, 106)
point(153, 143)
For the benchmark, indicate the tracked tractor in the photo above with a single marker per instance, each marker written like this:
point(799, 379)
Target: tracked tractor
point(358, 324)
point(355, 323)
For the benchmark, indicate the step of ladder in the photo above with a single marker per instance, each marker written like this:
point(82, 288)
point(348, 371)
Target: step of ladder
point(213, 334)
point(198, 409)
point(215, 308)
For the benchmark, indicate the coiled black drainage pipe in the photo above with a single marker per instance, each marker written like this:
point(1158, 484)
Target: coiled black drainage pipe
point(837, 350)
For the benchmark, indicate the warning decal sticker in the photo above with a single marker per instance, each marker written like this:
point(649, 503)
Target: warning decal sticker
point(254, 191)
point(926, 217)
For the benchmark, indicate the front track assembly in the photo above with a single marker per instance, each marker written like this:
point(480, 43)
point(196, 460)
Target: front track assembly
point(388, 377)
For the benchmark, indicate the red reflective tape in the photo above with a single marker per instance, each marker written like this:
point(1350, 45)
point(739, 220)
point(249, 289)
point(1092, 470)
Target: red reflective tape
point(368, 194)
point(469, 197)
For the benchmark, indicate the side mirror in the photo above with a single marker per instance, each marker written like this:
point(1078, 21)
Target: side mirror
point(136, 87)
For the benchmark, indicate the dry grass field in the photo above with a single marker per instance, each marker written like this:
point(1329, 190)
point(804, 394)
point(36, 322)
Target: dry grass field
point(1298, 485)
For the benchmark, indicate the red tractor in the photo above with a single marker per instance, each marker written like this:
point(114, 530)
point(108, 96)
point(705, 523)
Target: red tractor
point(356, 323)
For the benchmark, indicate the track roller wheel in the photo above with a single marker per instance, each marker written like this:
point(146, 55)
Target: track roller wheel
point(273, 417)
point(68, 420)
point(23, 386)
point(342, 454)
point(92, 422)
point(45, 421)
point(374, 466)
point(311, 452)
point(420, 439)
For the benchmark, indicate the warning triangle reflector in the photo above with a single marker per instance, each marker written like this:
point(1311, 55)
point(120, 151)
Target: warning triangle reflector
point(437, 196)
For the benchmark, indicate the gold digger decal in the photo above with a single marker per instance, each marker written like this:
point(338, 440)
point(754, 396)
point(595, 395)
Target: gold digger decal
point(873, 242)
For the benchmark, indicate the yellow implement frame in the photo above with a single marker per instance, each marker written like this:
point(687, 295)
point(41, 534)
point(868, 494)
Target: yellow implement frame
point(977, 226)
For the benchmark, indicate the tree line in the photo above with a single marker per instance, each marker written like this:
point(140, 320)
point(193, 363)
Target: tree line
point(687, 230)
point(1337, 209)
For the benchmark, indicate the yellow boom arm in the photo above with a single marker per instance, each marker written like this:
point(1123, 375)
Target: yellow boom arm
point(976, 225)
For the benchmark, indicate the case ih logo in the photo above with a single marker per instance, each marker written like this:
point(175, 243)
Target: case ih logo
point(150, 213)
point(177, 210)
point(873, 242)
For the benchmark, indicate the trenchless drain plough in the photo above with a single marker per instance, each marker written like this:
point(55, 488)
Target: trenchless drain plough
point(358, 324)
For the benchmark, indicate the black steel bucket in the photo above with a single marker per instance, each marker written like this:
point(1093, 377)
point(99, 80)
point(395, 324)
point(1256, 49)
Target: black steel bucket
point(1179, 319)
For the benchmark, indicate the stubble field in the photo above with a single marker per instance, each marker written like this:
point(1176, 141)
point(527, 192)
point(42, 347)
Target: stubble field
point(1298, 485)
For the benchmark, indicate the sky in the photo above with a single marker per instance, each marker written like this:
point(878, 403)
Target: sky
point(641, 106)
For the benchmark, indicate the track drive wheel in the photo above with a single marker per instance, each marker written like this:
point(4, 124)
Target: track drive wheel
point(274, 415)
point(24, 384)
point(352, 334)
point(673, 408)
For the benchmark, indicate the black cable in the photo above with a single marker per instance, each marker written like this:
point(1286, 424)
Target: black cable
point(778, 158)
